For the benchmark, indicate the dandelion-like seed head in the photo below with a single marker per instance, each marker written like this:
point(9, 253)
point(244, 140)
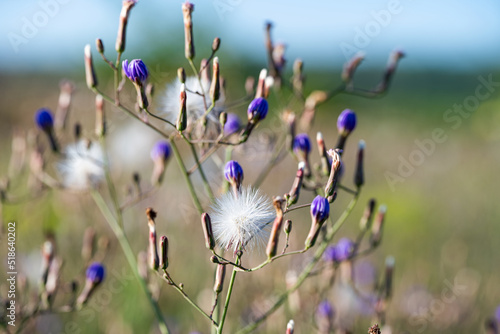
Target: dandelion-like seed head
point(195, 107)
point(83, 165)
point(242, 220)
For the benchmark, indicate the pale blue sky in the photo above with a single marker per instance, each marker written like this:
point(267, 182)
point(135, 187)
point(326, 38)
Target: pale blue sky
point(449, 34)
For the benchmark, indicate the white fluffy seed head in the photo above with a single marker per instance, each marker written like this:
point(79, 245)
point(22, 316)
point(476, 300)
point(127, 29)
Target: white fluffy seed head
point(195, 107)
point(82, 166)
point(242, 220)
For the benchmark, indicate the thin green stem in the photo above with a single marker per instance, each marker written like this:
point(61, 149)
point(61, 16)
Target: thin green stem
point(182, 167)
point(208, 189)
point(129, 255)
point(195, 71)
point(228, 296)
point(307, 270)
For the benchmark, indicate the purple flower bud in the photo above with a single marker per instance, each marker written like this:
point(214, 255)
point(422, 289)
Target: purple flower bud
point(346, 122)
point(325, 310)
point(302, 143)
point(95, 273)
point(320, 209)
point(330, 254)
point(344, 249)
point(161, 150)
point(257, 110)
point(233, 124)
point(233, 173)
point(44, 119)
point(135, 70)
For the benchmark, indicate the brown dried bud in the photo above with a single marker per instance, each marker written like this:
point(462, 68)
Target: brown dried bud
point(216, 44)
point(187, 10)
point(219, 278)
point(297, 185)
point(376, 234)
point(153, 259)
point(99, 45)
point(359, 177)
point(182, 118)
point(287, 228)
point(215, 85)
point(122, 27)
point(163, 252)
point(261, 84)
point(366, 220)
point(272, 245)
point(206, 224)
point(331, 184)
point(351, 66)
point(100, 116)
point(89, 68)
point(181, 74)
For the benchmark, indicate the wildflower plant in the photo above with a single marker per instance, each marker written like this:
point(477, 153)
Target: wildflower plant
point(237, 220)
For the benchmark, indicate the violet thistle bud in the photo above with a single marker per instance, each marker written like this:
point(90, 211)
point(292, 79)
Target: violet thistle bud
point(181, 74)
point(100, 116)
point(45, 121)
point(234, 175)
point(89, 68)
point(215, 85)
point(298, 77)
point(359, 177)
point(330, 254)
point(220, 274)
point(302, 148)
point(249, 86)
point(257, 110)
point(324, 317)
point(376, 234)
point(63, 104)
point(344, 249)
point(390, 69)
point(206, 224)
point(366, 220)
point(297, 185)
point(320, 211)
point(136, 71)
point(122, 27)
point(351, 66)
point(232, 124)
point(345, 125)
point(88, 244)
point(160, 155)
point(182, 118)
point(389, 273)
point(336, 163)
point(94, 275)
point(163, 252)
point(99, 45)
point(290, 327)
point(215, 44)
point(187, 10)
point(153, 259)
point(261, 84)
point(325, 162)
point(272, 244)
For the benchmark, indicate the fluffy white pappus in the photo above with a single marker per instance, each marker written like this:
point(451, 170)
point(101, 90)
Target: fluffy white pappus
point(82, 166)
point(170, 102)
point(242, 220)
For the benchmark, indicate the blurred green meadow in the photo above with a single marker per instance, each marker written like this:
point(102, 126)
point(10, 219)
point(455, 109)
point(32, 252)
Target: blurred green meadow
point(441, 225)
point(432, 156)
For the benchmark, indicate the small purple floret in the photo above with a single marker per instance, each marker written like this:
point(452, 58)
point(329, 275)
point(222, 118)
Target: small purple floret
point(257, 110)
point(95, 273)
point(302, 143)
point(44, 119)
point(325, 310)
point(161, 150)
point(233, 124)
point(136, 70)
point(344, 249)
point(346, 121)
point(233, 172)
point(320, 209)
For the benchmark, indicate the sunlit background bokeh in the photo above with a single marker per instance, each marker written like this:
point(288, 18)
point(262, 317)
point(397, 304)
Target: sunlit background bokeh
point(442, 221)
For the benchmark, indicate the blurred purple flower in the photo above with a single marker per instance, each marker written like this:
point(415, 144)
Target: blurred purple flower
point(302, 143)
point(233, 124)
point(44, 119)
point(161, 150)
point(344, 249)
point(346, 121)
point(95, 273)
